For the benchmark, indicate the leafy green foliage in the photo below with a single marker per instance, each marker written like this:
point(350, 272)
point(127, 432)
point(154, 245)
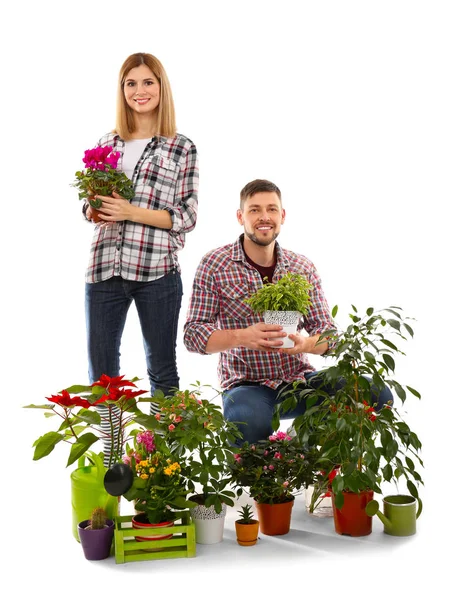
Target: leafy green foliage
point(246, 515)
point(92, 182)
point(290, 293)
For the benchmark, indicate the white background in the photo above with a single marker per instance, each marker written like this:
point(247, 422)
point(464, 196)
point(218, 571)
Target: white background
point(360, 112)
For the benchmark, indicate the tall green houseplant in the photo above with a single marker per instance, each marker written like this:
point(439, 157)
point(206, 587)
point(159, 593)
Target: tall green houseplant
point(366, 446)
point(289, 293)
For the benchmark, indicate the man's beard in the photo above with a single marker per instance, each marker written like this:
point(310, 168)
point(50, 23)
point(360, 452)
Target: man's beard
point(259, 242)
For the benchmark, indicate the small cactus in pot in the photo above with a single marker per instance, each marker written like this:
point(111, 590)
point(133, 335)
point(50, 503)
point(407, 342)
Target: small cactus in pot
point(96, 535)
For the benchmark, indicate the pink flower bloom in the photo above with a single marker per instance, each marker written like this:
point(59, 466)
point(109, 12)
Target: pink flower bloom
point(146, 438)
point(301, 456)
point(271, 467)
point(252, 447)
point(285, 484)
point(171, 427)
point(265, 468)
point(199, 401)
point(278, 455)
point(127, 460)
point(178, 419)
point(265, 453)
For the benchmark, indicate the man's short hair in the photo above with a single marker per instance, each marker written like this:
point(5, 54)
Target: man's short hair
point(256, 186)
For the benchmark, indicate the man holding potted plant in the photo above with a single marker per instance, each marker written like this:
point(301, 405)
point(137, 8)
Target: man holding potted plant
point(253, 368)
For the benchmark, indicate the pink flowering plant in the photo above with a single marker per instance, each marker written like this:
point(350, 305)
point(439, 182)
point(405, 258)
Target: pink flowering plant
point(81, 425)
point(158, 483)
point(196, 432)
point(274, 469)
point(101, 177)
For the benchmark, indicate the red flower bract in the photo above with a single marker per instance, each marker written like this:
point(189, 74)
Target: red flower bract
point(119, 393)
point(64, 399)
point(110, 382)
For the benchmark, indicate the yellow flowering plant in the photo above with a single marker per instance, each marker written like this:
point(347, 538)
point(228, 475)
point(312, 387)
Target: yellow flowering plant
point(158, 485)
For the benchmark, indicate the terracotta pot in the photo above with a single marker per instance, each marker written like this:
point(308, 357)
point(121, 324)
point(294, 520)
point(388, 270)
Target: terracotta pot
point(247, 533)
point(140, 521)
point(94, 215)
point(352, 519)
point(275, 519)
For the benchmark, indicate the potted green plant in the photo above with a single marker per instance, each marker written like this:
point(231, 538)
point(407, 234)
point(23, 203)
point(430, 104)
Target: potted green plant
point(101, 177)
point(96, 535)
point(283, 303)
point(273, 470)
point(197, 433)
point(365, 445)
point(81, 426)
point(246, 527)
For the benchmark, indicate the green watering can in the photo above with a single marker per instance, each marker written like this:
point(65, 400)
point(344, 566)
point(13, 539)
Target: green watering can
point(88, 491)
point(400, 514)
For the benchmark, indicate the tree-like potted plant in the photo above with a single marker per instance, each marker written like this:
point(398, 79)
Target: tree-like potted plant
point(274, 470)
point(96, 535)
point(246, 527)
point(283, 303)
point(198, 434)
point(367, 446)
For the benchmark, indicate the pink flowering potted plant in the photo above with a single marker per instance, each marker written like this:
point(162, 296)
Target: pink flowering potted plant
point(158, 486)
point(273, 470)
point(101, 177)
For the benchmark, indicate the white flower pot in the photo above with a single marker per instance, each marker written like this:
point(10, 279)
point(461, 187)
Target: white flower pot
point(209, 525)
point(289, 319)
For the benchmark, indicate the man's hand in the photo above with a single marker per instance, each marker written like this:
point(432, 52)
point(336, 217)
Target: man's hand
point(261, 337)
point(304, 344)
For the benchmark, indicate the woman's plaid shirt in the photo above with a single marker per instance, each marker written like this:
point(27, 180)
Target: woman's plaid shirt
point(223, 280)
point(165, 177)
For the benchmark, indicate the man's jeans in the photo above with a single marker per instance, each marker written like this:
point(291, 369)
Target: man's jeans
point(252, 406)
point(158, 306)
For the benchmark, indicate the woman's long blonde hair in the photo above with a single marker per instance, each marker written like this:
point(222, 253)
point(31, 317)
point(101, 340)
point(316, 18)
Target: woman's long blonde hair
point(165, 124)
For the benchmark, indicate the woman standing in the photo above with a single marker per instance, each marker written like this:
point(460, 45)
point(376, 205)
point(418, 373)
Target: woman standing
point(134, 251)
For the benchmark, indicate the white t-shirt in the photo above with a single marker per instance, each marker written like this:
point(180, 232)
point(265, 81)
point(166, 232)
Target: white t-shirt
point(133, 150)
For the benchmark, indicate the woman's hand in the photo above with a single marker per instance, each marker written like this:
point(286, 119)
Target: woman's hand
point(115, 208)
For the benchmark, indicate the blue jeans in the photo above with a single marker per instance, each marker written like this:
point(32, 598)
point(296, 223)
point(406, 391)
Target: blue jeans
point(252, 405)
point(158, 306)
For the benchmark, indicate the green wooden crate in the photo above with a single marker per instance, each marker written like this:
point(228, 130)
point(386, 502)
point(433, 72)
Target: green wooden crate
point(181, 545)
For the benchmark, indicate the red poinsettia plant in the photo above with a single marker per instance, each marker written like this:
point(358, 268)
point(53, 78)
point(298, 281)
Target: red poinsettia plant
point(101, 177)
point(82, 424)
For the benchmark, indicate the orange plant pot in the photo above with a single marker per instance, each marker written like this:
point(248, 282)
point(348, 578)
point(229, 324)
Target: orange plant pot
point(352, 519)
point(247, 533)
point(275, 519)
point(95, 217)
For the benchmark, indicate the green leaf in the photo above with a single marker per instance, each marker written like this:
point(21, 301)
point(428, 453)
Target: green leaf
point(334, 311)
point(389, 360)
point(46, 444)
point(414, 392)
point(394, 324)
point(389, 344)
point(43, 406)
point(409, 329)
point(412, 489)
point(370, 311)
point(81, 445)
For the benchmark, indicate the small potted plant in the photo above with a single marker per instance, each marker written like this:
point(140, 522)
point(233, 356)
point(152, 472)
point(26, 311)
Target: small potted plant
point(96, 535)
point(283, 303)
point(197, 433)
point(273, 470)
point(101, 177)
point(246, 527)
point(366, 445)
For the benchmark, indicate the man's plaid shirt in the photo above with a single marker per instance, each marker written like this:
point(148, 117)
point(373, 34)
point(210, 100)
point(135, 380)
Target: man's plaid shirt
point(165, 177)
point(223, 280)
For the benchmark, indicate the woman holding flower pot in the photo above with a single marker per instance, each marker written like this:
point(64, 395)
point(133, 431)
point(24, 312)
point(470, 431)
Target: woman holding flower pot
point(134, 252)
